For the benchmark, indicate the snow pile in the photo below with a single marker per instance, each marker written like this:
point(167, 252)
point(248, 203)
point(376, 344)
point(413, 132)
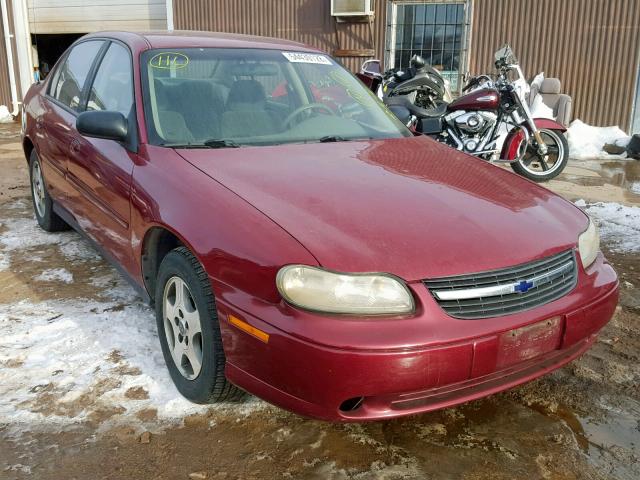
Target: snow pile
point(587, 142)
point(619, 224)
point(5, 115)
point(55, 274)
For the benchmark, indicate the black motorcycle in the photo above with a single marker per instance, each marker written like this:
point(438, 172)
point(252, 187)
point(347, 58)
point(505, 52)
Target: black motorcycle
point(420, 86)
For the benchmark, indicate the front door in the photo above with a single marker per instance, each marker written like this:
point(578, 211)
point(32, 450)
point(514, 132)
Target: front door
point(100, 170)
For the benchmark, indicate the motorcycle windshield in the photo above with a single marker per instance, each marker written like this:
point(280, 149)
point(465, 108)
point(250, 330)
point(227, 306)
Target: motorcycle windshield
point(505, 55)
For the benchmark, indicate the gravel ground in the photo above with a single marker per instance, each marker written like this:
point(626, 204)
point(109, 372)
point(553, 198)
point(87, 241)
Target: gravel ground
point(84, 392)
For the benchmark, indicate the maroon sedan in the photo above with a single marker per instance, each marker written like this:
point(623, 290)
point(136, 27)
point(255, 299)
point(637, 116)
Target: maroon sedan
point(297, 241)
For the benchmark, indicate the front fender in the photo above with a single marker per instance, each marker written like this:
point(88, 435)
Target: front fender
point(512, 142)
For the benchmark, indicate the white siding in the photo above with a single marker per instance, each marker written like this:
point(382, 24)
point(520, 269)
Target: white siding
point(84, 16)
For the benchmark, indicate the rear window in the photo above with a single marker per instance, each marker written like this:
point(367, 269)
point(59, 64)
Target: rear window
point(69, 80)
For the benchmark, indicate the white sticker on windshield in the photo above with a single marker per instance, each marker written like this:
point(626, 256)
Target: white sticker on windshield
point(299, 57)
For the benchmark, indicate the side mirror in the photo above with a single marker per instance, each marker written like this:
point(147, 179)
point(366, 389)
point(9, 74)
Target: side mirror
point(103, 124)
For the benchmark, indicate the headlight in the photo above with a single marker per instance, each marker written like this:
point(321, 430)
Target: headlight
point(589, 244)
point(316, 289)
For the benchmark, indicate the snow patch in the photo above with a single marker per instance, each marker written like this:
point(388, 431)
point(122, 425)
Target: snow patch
point(5, 115)
point(587, 142)
point(619, 225)
point(4, 262)
point(65, 361)
point(55, 274)
point(24, 232)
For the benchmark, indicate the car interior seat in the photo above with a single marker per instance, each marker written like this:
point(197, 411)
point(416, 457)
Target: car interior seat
point(549, 91)
point(246, 111)
point(199, 104)
point(171, 125)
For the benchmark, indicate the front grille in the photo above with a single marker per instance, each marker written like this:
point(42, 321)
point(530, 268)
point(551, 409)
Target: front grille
point(505, 291)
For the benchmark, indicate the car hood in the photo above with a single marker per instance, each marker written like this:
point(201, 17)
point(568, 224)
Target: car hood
point(408, 206)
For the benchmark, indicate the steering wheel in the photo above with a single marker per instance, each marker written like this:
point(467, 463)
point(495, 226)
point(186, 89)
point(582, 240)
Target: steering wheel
point(304, 108)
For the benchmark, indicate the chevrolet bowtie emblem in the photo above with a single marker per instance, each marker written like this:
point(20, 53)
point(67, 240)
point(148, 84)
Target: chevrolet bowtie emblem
point(523, 286)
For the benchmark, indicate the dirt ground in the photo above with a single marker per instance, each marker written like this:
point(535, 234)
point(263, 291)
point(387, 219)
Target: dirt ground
point(580, 422)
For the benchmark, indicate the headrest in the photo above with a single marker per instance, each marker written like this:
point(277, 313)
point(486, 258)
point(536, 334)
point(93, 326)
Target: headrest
point(550, 85)
point(246, 91)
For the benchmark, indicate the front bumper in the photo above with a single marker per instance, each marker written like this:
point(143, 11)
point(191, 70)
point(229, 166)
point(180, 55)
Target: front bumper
point(322, 367)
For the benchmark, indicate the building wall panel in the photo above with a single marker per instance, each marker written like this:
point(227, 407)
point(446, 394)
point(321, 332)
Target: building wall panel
point(307, 21)
point(593, 46)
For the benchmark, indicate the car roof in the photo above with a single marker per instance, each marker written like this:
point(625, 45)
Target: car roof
point(192, 38)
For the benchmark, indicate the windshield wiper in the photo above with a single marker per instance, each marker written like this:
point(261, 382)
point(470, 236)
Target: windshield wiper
point(220, 143)
point(332, 138)
point(213, 143)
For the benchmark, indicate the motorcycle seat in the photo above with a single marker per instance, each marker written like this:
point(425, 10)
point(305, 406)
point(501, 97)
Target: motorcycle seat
point(438, 111)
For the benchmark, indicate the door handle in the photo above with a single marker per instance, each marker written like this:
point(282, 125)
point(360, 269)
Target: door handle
point(74, 146)
point(39, 122)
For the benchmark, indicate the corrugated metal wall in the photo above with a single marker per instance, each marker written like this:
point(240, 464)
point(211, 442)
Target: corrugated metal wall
point(593, 46)
point(307, 21)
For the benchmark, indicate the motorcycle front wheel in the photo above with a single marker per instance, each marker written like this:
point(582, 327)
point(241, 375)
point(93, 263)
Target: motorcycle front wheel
point(540, 168)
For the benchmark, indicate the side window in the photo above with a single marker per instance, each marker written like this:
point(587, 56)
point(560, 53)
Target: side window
point(68, 85)
point(112, 87)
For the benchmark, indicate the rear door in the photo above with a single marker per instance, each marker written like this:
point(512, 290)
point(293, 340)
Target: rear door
point(57, 123)
point(99, 169)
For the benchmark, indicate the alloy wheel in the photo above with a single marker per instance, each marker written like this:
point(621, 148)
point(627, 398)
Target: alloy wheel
point(37, 185)
point(539, 165)
point(182, 327)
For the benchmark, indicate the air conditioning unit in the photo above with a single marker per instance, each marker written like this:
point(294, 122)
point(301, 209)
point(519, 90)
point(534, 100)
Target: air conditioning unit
point(351, 8)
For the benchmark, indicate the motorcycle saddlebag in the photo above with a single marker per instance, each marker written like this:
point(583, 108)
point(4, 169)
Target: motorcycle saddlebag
point(430, 126)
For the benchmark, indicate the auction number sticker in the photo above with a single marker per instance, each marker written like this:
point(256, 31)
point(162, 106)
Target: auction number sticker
point(169, 60)
point(298, 57)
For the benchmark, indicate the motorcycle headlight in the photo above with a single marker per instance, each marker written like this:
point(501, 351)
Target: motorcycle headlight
point(589, 244)
point(313, 288)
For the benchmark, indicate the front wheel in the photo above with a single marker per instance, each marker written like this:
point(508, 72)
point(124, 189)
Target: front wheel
point(540, 168)
point(189, 331)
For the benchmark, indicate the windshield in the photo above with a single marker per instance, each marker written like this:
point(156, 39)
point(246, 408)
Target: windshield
point(218, 97)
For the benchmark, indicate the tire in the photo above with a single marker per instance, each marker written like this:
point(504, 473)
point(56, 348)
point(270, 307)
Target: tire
point(176, 315)
point(553, 139)
point(42, 203)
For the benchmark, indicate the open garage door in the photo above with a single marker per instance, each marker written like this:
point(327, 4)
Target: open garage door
point(79, 16)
